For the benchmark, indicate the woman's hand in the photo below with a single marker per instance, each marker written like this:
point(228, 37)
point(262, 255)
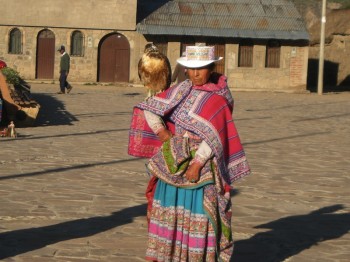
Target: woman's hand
point(164, 135)
point(193, 172)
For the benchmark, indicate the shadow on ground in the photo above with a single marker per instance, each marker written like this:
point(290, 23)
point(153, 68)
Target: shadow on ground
point(291, 235)
point(24, 240)
point(52, 111)
point(65, 169)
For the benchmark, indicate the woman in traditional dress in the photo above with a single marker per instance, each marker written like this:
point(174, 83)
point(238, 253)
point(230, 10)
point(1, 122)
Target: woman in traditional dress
point(195, 156)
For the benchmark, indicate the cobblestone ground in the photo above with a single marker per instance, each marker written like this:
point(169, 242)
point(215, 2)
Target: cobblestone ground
point(70, 192)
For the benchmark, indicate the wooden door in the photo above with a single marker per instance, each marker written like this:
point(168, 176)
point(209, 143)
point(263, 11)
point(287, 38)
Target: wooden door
point(220, 66)
point(45, 59)
point(122, 72)
point(219, 51)
point(186, 41)
point(114, 59)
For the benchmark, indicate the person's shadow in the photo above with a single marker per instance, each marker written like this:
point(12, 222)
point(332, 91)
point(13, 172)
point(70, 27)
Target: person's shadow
point(291, 235)
point(20, 241)
point(52, 111)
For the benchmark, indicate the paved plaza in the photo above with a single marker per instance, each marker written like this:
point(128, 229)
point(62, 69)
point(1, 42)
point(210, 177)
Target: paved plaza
point(70, 192)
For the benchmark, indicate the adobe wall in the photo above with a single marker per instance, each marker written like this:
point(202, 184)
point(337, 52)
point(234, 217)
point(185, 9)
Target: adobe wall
point(291, 76)
point(121, 14)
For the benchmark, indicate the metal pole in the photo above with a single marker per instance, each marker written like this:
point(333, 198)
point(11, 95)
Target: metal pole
point(321, 60)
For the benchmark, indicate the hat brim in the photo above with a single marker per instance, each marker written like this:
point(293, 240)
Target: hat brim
point(196, 63)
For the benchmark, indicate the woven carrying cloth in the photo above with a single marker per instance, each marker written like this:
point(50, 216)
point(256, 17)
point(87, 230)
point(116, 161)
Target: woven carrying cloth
point(205, 111)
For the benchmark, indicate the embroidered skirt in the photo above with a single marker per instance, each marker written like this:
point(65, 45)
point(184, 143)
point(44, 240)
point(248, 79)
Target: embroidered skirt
point(179, 228)
point(187, 221)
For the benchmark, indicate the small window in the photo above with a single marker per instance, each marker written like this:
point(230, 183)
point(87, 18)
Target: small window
point(15, 44)
point(77, 46)
point(245, 56)
point(273, 53)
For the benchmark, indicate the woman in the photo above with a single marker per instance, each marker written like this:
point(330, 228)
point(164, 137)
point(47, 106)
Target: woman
point(200, 156)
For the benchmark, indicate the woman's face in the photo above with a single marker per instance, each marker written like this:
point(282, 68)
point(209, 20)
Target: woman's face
point(199, 76)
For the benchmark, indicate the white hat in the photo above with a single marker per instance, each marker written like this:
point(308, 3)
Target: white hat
point(198, 56)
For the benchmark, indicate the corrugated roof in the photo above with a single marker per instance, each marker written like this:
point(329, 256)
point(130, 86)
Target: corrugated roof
point(268, 19)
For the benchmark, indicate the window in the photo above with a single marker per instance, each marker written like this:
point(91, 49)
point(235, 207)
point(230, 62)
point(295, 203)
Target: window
point(219, 52)
point(15, 44)
point(186, 41)
point(77, 44)
point(273, 53)
point(245, 55)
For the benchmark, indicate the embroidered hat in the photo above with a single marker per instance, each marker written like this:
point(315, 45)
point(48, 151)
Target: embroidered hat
point(198, 56)
point(61, 48)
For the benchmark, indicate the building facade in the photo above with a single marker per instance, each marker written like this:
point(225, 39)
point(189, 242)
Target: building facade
point(264, 45)
point(101, 39)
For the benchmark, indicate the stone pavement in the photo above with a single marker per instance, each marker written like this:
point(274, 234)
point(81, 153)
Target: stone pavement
point(70, 192)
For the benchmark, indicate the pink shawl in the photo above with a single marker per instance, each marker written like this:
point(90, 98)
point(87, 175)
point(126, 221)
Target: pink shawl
point(204, 110)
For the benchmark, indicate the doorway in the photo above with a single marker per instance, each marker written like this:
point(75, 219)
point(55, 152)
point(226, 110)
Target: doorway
point(114, 59)
point(45, 58)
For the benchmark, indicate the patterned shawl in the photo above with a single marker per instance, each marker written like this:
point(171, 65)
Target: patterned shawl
point(204, 110)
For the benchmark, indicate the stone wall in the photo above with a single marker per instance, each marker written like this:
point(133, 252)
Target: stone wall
point(93, 18)
point(84, 68)
point(291, 76)
point(119, 16)
point(337, 62)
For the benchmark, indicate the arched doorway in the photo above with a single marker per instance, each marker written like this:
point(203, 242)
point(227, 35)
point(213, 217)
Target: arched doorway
point(114, 59)
point(45, 55)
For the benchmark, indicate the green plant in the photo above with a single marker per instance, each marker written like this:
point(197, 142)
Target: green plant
point(12, 76)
